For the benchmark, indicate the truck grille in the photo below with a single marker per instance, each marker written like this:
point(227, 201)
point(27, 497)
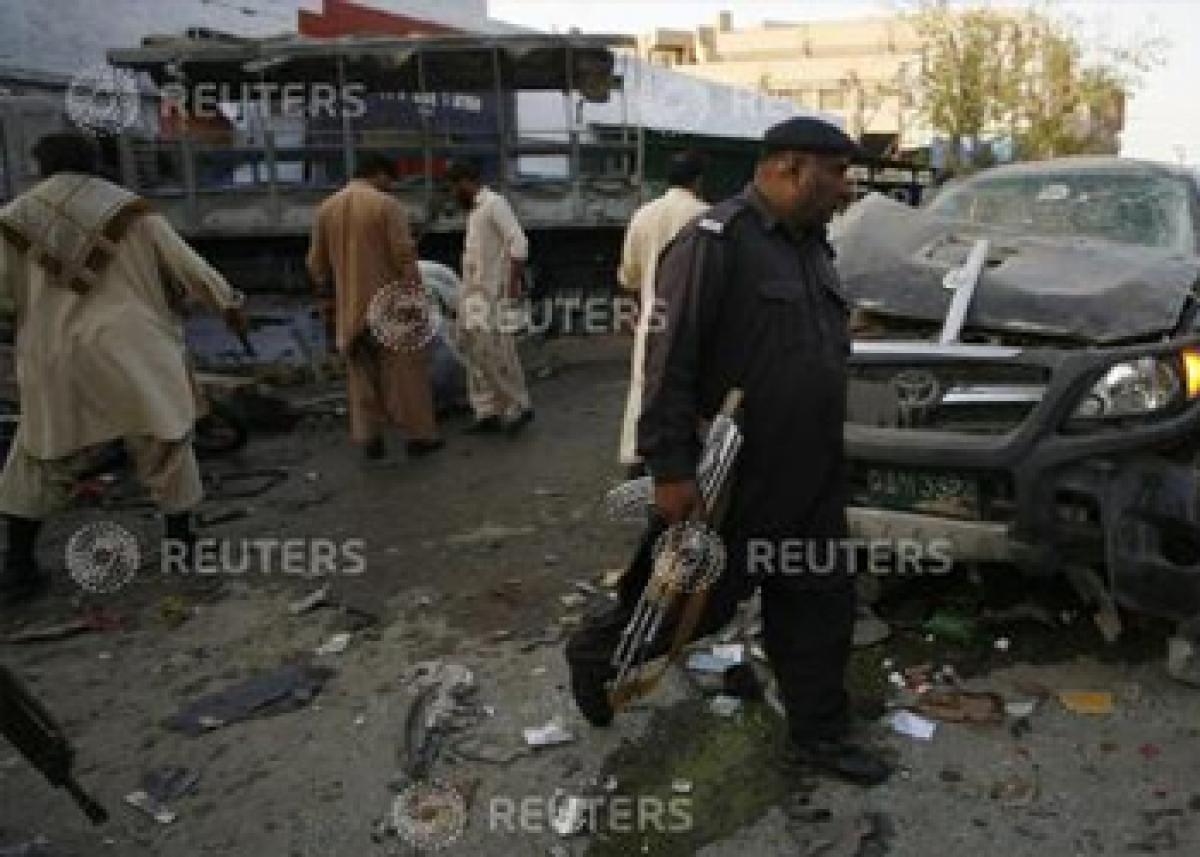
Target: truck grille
point(981, 398)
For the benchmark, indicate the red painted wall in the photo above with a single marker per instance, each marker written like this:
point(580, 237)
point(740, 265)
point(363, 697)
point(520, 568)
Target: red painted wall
point(343, 18)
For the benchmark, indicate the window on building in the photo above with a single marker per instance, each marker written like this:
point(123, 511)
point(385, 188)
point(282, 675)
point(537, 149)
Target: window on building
point(832, 99)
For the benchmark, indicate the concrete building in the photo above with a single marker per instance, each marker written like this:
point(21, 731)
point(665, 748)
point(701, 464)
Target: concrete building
point(866, 71)
point(862, 71)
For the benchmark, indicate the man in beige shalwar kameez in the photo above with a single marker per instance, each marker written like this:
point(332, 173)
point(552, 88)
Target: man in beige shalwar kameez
point(651, 229)
point(493, 269)
point(361, 239)
point(96, 280)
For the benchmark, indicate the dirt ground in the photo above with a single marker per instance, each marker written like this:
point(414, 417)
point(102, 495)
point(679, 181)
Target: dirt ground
point(468, 556)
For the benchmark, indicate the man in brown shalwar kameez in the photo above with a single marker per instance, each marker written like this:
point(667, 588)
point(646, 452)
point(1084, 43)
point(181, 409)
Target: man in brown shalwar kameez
point(361, 239)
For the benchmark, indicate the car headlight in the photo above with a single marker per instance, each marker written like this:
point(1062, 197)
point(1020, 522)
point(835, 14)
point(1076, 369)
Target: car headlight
point(1141, 387)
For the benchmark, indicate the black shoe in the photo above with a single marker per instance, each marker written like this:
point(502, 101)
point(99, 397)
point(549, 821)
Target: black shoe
point(19, 584)
point(419, 448)
point(519, 422)
point(487, 425)
point(22, 580)
point(373, 450)
point(847, 761)
point(179, 544)
point(591, 696)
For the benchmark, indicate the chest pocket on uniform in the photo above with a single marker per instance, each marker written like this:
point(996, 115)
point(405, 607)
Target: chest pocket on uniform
point(804, 317)
point(789, 322)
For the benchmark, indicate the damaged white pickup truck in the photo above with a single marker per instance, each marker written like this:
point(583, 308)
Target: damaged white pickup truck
point(1025, 379)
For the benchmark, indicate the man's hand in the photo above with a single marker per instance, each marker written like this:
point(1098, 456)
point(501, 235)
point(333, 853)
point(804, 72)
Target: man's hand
point(236, 321)
point(676, 500)
point(516, 279)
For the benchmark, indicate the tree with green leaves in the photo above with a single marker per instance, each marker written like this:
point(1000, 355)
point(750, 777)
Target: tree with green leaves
point(1025, 75)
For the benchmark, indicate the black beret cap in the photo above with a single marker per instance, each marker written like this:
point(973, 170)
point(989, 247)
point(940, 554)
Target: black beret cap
point(805, 134)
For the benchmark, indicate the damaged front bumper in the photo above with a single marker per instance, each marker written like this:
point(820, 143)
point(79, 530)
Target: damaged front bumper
point(971, 444)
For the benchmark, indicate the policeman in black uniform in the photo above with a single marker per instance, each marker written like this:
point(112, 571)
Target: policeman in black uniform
point(751, 300)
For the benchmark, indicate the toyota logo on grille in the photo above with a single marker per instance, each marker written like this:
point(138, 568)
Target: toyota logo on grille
point(916, 389)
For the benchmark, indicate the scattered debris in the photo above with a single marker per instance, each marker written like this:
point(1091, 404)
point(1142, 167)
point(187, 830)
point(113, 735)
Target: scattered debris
point(488, 534)
point(98, 620)
point(1015, 791)
point(312, 601)
point(913, 725)
point(37, 847)
point(820, 834)
point(144, 802)
point(570, 815)
point(724, 706)
point(962, 707)
point(174, 610)
point(476, 749)
point(551, 636)
point(951, 627)
point(811, 815)
point(335, 645)
point(1086, 702)
point(286, 689)
point(572, 599)
point(742, 681)
point(170, 783)
point(611, 578)
point(1022, 611)
point(219, 485)
point(735, 653)
point(226, 517)
point(440, 704)
point(550, 735)
point(710, 662)
point(1020, 708)
point(869, 629)
point(1150, 751)
point(1183, 661)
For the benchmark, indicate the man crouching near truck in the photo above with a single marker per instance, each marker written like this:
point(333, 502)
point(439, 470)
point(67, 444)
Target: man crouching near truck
point(96, 280)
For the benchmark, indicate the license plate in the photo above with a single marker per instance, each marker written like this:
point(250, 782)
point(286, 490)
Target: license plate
point(929, 492)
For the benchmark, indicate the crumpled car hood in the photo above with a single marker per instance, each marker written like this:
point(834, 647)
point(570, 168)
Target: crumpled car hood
point(893, 259)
